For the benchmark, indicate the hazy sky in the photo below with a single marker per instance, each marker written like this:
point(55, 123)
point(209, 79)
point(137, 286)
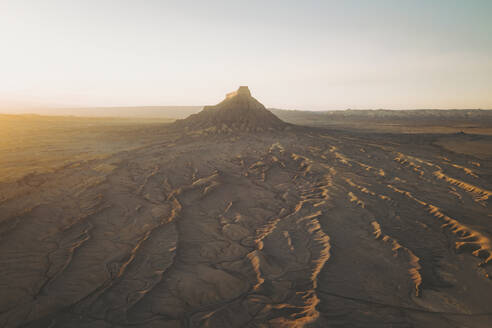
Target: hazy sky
point(293, 54)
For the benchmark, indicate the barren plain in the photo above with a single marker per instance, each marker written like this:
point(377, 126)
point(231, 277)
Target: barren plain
point(142, 224)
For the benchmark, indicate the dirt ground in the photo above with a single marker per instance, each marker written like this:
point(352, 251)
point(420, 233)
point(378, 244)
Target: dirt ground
point(115, 223)
point(34, 143)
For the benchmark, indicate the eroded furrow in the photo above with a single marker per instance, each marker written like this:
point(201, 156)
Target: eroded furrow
point(398, 249)
point(467, 237)
point(311, 229)
point(480, 195)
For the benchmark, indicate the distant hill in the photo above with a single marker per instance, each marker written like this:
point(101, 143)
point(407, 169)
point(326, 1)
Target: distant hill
point(165, 112)
point(381, 115)
point(315, 118)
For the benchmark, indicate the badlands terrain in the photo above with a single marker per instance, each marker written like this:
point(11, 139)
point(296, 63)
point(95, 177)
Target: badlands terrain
point(234, 218)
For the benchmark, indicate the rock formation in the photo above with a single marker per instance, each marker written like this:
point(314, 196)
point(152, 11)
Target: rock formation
point(238, 112)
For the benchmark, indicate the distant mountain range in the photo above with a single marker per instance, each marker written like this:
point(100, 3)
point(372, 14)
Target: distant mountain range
point(306, 117)
point(292, 116)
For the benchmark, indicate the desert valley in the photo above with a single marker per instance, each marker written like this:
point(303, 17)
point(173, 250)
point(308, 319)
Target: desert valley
point(233, 217)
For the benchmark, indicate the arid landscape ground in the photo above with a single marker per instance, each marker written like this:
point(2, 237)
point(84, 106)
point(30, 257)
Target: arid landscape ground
point(233, 218)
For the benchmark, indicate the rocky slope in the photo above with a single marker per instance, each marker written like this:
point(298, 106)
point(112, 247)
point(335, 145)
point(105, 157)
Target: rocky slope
point(238, 112)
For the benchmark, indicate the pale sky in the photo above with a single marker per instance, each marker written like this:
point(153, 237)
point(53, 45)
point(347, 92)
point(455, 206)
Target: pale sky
point(313, 55)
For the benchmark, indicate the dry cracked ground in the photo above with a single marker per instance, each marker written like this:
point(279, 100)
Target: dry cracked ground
point(302, 228)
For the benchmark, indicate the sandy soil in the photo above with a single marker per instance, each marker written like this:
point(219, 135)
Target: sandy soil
point(302, 228)
point(36, 144)
point(474, 145)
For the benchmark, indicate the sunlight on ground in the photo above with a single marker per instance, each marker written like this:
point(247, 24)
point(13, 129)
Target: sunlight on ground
point(32, 143)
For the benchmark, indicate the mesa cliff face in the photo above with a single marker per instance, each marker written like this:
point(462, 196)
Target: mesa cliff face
point(238, 112)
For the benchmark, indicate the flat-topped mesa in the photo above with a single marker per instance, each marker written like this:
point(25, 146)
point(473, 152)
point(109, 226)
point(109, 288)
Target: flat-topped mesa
point(239, 111)
point(243, 90)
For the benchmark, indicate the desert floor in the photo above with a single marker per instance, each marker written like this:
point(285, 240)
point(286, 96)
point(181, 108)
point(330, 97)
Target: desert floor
point(116, 223)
